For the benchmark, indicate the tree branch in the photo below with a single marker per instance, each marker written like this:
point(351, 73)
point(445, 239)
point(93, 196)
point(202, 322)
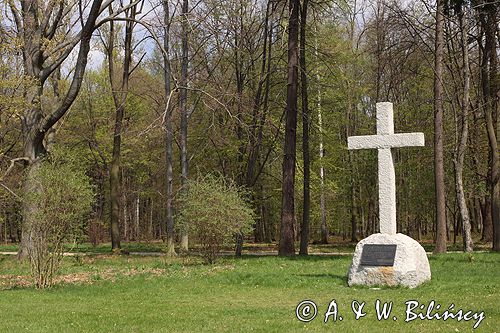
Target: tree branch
point(81, 64)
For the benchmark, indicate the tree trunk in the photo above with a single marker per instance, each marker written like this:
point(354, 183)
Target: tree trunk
point(286, 244)
point(462, 139)
point(478, 214)
point(36, 123)
point(324, 227)
point(126, 226)
point(306, 207)
point(483, 216)
point(30, 211)
point(169, 154)
point(490, 90)
point(268, 229)
point(492, 123)
point(120, 99)
point(137, 217)
point(438, 132)
point(240, 78)
point(184, 113)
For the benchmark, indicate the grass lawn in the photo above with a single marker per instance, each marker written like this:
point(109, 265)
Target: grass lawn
point(105, 293)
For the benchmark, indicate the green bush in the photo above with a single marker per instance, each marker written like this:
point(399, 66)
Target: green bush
point(215, 211)
point(60, 199)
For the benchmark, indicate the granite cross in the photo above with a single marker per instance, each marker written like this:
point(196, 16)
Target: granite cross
point(384, 140)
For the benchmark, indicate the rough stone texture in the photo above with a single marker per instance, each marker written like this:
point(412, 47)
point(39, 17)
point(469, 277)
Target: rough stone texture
point(385, 118)
point(386, 192)
point(384, 141)
point(398, 140)
point(411, 266)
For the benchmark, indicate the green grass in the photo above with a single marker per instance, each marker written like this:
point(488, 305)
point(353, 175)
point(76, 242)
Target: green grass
point(252, 294)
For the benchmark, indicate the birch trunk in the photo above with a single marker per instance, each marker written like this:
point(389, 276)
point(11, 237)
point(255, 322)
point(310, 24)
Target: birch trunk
point(324, 226)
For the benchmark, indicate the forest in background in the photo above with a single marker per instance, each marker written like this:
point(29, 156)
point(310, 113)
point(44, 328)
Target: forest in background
point(176, 90)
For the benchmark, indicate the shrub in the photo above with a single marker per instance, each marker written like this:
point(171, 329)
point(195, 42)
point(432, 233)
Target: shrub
point(61, 200)
point(215, 211)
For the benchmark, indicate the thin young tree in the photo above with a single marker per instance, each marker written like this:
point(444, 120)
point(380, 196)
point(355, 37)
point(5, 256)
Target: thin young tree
point(324, 226)
point(306, 206)
point(183, 111)
point(464, 131)
point(167, 76)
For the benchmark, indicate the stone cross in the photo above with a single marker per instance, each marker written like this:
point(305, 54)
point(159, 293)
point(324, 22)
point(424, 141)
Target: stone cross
point(384, 140)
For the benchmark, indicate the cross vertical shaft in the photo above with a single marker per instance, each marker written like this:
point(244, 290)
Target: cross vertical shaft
point(386, 192)
point(386, 172)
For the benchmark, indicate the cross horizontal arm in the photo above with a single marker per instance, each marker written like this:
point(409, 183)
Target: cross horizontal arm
point(386, 141)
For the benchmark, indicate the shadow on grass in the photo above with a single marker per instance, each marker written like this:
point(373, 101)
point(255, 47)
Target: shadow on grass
point(315, 258)
point(340, 279)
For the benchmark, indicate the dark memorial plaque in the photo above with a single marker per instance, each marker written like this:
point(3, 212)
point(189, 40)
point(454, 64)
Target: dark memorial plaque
point(378, 255)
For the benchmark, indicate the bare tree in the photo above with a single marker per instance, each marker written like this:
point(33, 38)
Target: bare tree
point(48, 39)
point(119, 91)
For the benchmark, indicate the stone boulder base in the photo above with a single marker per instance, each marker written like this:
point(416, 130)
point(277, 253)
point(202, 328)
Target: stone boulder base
point(411, 266)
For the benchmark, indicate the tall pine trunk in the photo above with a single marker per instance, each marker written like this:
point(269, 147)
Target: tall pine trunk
point(306, 207)
point(286, 245)
point(438, 132)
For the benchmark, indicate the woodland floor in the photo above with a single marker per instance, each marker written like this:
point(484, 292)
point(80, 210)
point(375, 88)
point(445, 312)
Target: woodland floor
point(131, 293)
